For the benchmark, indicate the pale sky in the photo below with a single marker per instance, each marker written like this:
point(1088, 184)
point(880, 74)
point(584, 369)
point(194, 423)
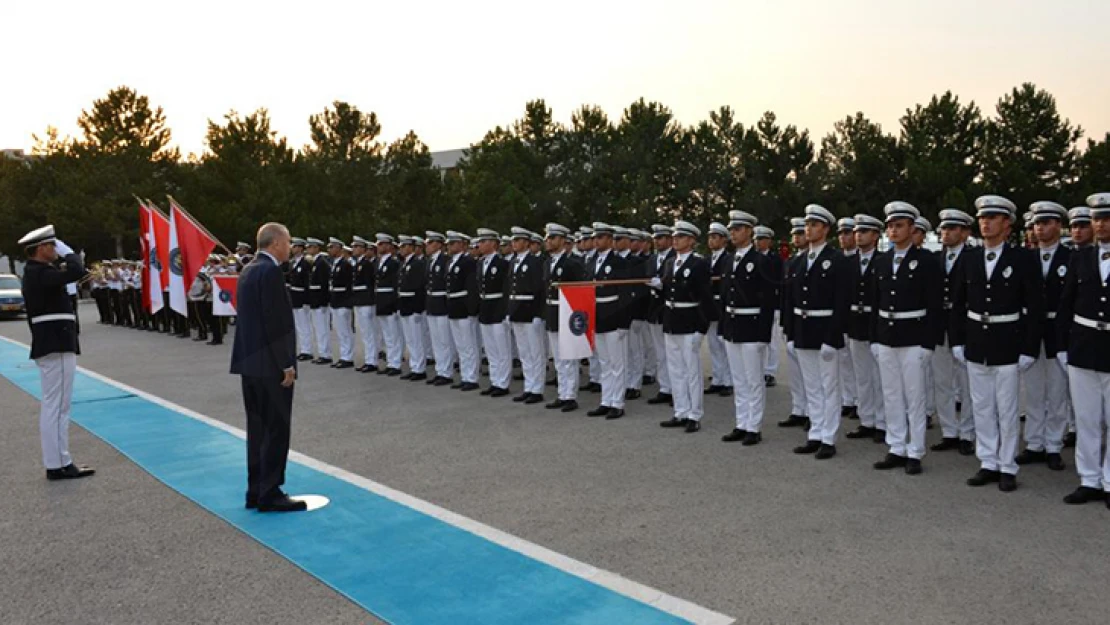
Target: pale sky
point(450, 70)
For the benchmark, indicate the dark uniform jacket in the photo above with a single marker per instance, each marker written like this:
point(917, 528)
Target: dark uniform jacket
point(526, 289)
point(1014, 288)
point(611, 302)
point(342, 279)
point(493, 289)
point(1054, 281)
point(863, 295)
point(568, 268)
point(411, 289)
point(639, 295)
point(790, 274)
point(687, 295)
point(749, 296)
point(462, 287)
point(717, 270)
point(385, 285)
point(319, 281)
point(951, 277)
point(1085, 302)
point(435, 282)
point(44, 294)
point(297, 279)
point(362, 290)
point(912, 287)
point(818, 300)
point(655, 270)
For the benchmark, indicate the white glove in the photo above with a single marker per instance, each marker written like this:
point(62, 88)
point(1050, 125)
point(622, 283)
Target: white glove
point(790, 348)
point(1062, 358)
point(61, 248)
point(875, 350)
point(656, 283)
point(1025, 362)
point(958, 354)
point(828, 353)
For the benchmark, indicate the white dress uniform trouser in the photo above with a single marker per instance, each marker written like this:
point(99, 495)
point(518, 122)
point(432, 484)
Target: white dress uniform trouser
point(771, 364)
point(797, 384)
point(495, 338)
point(822, 389)
point(321, 328)
point(1046, 405)
point(463, 336)
point(848, 382)
point(394, 339)
point(56, 376)
point(749, 393)
point(684, 361)
point(428, 345)
point(660, 346)
point(341, 321)
point(533, 355)
point(869, 385)
point(904, 398)
point(718, 357)
point(302, 320)
point(611, 353)
point(950, 382)
point(412, 328)
point(651, 359)
point(443, 349)
point(634, 356)
point(930, 386)
point(566, 371)
point(1090, 394)
point(994, 392)
point(368, 330)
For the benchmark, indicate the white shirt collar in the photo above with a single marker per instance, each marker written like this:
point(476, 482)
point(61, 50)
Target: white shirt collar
point(955, 250)
point(816, 250)
point(742, 252)
point(1050, 249)
point(270, 256)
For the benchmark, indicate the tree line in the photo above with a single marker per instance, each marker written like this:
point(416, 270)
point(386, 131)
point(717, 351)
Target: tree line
point(642, 168)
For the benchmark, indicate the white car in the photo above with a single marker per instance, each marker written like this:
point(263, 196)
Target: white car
point(11, 296)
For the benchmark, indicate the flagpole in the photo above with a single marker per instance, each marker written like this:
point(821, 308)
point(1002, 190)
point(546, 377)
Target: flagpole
point(196, 223)
point(629, 281)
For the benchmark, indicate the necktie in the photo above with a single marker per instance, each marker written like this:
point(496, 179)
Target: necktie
point(1045, 257)
point(991, 256)
point(1106, 256)
point(897, 259)
point(812, 256)
point(951, 257)
point(864, 261)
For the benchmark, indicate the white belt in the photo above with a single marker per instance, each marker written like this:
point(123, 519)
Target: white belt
point(296, 288)
point(742, 311)
point(492, 295)
point(860, 308)
point(458, 294)
point(359, 288)
point(338, 289)
point(974, 316)
point(438, 293)
point(552, 302)
point(522, 298)
point(717, 297)
point(1091, 323)
point(406, 293)
point(72, 317)
point(671, 304)
point(902, 314)
point(316, 287)
point(608, 299)
point(801, 312)
point(384, 289)
point(1050, 314)
point(948, 305)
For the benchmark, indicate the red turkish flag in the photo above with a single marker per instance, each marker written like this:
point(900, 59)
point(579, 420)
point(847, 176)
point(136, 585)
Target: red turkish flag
point(193, 241)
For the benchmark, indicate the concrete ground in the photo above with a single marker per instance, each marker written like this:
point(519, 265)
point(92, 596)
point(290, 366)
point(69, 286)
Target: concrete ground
point(757, 533)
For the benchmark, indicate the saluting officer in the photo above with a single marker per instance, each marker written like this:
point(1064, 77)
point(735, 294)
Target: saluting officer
point(1084, 333)
point(846, 237)
point(362, 302)
point(720, 380)
point(997, 311)
point(869, 383)
point(794, 268)
point(386, 304)
point(493, 287)
point(906, 318)
point(54, 345)
point(661, 237)
point(318, 291)
point(411, 291)
point(443, 350)
point(613, 321)
point(816, 316)
point(526, 293)
point(749, 292)
point(1046, 384)
point(765, 243)
point(949, 375)
point(561, 267)
point(687, 296)
point(462, 309)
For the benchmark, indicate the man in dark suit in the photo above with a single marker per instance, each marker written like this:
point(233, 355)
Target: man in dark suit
point(264, 354)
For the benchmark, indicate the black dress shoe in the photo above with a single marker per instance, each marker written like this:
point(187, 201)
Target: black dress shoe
point(393, 372)
point(468, 386)
point(383, 370)
point(1029, 456)
point(861, 432)
point(661, 398)
point(967, 448)
point(1083, 494)
point(487, 390)
point(345, 364)
point(713, 388)
point(417, 377)
point(569, 406)
point(282, 504)
point(891, 461)
point(334, 364)
point(363, 369)
point(984, 477)
point(826, 452)
point(1069, 439)
point(322, 361)
point(497, 391)
point(1007, 483)
point(431, 381)
point(735, 435)
point(726, 391)
point(810, 447)
point(533, 398)
point(647, 379)
point(1055, 462)
point(594, 387)
point(631, 393)
point(753, 438)
point(614, 413)
point(552, 382)
point(793, 421)
point(585, 386)
point(769, 381)
point(69, 472)
point(252, 502)
point(959, 406)
point(457, 385)
point(522, 397)
point(408, 376)
point(692, 426)
point(879, 436)
point(518, 376)
point(441, 381)
point(673, 422)
point(558, 403)
point(600, 411)
point(945, 444)
point(913, 466)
